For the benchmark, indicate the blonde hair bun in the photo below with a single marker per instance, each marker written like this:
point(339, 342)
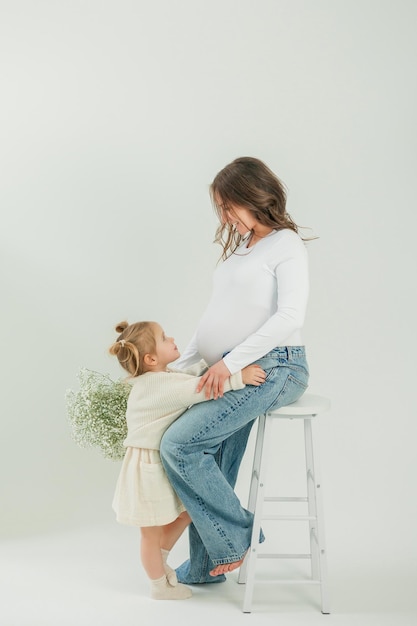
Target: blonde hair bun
point(133, 342)
point(121, 326)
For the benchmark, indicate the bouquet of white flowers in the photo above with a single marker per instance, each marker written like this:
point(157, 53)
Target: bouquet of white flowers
point(97, 413)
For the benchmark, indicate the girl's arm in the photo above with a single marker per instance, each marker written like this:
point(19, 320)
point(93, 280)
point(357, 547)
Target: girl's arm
point(250, 375)
point(187, 393)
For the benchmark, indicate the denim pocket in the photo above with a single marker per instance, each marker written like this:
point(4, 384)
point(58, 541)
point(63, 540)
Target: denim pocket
point(270, 373)
point(296, 381)
point(291, 391)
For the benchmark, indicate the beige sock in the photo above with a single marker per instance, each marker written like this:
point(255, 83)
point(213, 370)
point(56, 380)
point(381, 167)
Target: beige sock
point(162, 590)
point(171, 575)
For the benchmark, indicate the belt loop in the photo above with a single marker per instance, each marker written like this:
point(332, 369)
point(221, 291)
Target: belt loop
point(289, 354)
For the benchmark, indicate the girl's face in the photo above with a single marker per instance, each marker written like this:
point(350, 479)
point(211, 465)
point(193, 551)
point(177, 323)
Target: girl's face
point(166, 350)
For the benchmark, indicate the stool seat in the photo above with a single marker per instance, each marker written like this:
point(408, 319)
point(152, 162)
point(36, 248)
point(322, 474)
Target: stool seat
point(308, 404)
point(306, 408)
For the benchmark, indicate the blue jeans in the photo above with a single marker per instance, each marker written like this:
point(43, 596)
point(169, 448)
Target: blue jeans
point(202, 450)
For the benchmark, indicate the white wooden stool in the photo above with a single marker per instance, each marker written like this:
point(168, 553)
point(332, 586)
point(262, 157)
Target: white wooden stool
point(306, 408)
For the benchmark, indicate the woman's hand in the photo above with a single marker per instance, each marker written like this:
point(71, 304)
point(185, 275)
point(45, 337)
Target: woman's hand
point(253, 375)
point(213, 380)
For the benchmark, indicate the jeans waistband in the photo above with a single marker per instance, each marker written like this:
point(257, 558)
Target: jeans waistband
point(289, 353)
point(280, 352)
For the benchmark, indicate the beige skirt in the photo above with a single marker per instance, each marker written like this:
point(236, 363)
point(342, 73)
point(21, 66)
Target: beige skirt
point(144, 496)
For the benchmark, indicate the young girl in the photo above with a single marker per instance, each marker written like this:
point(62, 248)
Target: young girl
point(144, 496)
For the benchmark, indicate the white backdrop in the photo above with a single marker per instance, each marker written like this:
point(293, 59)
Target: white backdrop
point(115, 118)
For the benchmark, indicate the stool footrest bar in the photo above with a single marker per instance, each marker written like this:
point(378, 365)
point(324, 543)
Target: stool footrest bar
point(288, 499)
point(292, 581)
point(284, 556)
point(292, 518)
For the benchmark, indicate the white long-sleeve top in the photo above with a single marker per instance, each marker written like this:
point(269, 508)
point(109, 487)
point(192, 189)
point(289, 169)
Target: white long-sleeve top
point(158, 398)
point(258, 302)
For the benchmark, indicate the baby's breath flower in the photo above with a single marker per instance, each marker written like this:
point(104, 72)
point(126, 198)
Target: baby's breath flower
point(97, 413)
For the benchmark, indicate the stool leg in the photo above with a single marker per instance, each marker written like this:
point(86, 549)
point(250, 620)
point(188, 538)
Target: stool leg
point(311, 496)
point(254, 483)
point(258, 487)
point(315, 509)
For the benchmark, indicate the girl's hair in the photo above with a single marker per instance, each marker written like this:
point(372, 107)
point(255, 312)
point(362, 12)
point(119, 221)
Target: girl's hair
point(134, 341)
point(248, 182)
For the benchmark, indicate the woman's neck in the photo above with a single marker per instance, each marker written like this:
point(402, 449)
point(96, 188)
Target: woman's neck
point(258, 233)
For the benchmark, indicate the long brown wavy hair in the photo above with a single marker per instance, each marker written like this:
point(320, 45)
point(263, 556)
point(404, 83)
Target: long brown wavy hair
point(248, 182)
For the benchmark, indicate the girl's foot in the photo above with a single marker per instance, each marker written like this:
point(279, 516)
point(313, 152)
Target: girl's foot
point(171, 575)
point(162, 590)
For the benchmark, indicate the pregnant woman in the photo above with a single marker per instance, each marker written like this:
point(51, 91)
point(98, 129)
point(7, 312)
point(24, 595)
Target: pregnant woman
point(255, 315)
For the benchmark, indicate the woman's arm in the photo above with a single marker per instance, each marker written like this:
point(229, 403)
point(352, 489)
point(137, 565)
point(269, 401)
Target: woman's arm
point(291, 274)
point(288, 263)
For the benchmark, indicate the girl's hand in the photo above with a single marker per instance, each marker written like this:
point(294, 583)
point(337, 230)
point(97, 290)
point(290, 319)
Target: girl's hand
point(213, 380)
point(253, 375)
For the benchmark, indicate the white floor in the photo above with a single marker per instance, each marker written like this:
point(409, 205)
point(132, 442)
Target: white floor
point(92, 576)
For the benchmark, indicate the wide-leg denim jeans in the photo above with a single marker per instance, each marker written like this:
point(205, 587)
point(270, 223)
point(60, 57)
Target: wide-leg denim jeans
point(202, 450)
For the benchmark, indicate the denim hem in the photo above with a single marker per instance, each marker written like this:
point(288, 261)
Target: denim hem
point(230, 559)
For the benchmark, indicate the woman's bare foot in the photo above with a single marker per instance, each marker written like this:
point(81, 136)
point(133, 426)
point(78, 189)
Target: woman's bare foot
point(225, 568)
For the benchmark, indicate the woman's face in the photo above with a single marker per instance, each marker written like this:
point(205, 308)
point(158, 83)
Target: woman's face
point(238, 217)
